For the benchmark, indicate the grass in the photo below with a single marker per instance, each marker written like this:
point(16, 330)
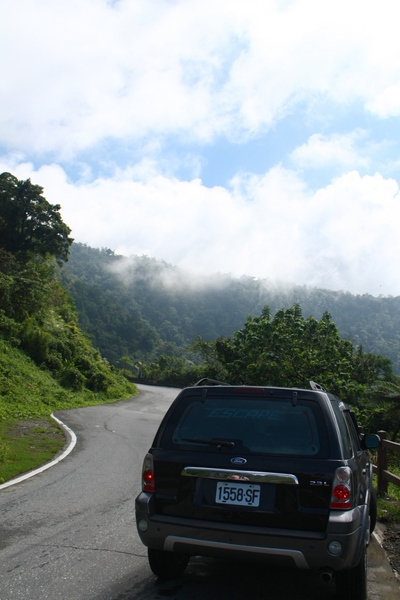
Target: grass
point(388, 503)
point(26, 391)
point(27, 444)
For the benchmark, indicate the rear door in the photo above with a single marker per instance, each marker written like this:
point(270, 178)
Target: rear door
point(262, 458)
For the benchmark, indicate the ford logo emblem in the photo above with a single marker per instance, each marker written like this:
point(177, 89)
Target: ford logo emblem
point(238, 460)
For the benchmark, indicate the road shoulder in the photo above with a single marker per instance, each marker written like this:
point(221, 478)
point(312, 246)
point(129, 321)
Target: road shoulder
point(383, 580)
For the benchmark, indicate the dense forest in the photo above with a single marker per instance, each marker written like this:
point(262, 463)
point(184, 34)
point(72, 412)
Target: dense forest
point(140, 308)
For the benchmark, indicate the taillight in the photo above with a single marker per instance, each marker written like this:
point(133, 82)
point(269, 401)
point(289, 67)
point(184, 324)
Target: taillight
point(148, 474)
point(342, 496)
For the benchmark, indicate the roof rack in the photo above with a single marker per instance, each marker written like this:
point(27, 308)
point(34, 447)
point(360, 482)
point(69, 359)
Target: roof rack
point(317, 387)
point(207, 381)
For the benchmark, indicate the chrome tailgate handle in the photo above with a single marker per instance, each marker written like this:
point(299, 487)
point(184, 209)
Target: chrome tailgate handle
point(236, 475)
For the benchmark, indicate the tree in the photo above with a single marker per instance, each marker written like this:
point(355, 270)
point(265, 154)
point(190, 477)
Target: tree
point(385, 407)
point(289, 350)
point(29, 225)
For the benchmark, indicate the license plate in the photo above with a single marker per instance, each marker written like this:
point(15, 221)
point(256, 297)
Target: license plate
point(237, 494)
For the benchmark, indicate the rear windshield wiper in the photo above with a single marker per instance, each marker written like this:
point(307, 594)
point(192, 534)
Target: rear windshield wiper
point(212, 442)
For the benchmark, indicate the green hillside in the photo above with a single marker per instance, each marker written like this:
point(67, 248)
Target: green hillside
point(27, 390)
point(46, 360)
point(141, 308)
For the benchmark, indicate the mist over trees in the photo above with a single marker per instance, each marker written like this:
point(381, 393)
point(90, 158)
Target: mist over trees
point(142, 308)
point(153, 319)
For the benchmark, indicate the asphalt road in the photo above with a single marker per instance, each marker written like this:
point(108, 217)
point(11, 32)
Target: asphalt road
point(69, 532)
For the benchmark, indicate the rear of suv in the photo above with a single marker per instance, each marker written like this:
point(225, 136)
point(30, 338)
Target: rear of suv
point(278, 475)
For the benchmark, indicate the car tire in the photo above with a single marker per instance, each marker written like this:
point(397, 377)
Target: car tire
point(167, 565)
point(351, 584)
point(372, 511)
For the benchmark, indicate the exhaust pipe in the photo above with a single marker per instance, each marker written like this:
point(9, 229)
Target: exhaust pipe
point(327, 576)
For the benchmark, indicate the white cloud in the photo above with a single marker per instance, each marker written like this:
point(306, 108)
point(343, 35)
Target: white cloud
point(86, 83)
point(343, 236)
point(386, 103)
point(75, 73)
point(331, 150)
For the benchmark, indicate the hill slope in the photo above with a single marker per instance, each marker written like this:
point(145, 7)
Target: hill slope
point(140, 307)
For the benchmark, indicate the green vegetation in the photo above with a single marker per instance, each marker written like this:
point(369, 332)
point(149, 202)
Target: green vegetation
point(29, 225)
point(142, 308)
point(27, 444)
point(46, 361)
point(28, 395)
point(29, 391)
point(156, 322)
point(290, 350)
point(389, 505)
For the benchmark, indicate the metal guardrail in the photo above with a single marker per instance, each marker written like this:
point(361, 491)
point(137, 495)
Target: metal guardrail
point(381, 468)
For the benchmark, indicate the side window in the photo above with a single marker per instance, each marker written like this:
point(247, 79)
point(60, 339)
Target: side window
point(344, 431)
point(355, 440)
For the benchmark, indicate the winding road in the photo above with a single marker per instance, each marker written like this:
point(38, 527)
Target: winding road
point(69, 532)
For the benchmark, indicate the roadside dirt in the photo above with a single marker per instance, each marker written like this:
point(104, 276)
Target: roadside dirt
point(391, 545)
point(38, 426)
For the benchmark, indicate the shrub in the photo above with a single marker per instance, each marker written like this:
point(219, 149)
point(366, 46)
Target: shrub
point(4, 452)
point(72, 379)
point(98, 382)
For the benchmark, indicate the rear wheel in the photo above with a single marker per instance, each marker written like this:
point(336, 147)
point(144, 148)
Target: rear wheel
point(351, 584)
point(167, 565)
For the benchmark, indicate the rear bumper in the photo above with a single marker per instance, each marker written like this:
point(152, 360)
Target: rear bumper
point(301, 549)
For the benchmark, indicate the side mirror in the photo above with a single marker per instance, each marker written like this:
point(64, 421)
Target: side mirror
point(370, 440)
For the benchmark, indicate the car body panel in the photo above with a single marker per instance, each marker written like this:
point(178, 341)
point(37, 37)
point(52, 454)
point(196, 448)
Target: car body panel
point(248, 472)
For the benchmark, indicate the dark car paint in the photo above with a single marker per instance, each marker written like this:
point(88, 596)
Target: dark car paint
point(293, 526)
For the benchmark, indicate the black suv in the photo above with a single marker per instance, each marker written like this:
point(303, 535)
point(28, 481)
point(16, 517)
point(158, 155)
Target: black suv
point(260, 473)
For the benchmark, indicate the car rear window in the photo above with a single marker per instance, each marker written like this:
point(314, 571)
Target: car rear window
point(259, 425)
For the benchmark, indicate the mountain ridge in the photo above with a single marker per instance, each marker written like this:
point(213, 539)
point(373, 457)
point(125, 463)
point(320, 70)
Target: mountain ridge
point(140, 307)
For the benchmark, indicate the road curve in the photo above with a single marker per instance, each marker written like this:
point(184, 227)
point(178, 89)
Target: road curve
point(69, 533)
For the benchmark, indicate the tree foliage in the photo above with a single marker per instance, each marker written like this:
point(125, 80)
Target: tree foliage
point(172, 371)
point(29, 225)
point(37, 314)
point(383, 410)
point(290, 350)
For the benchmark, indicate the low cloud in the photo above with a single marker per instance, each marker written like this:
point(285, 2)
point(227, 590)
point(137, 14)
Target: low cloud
point(342, 236)
point(335, 150)
point(386, 103)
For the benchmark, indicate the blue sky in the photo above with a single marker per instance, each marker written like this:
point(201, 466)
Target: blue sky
point(257, 138)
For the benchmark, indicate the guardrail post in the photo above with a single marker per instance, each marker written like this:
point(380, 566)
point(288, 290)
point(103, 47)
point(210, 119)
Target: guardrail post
point(382, 463)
